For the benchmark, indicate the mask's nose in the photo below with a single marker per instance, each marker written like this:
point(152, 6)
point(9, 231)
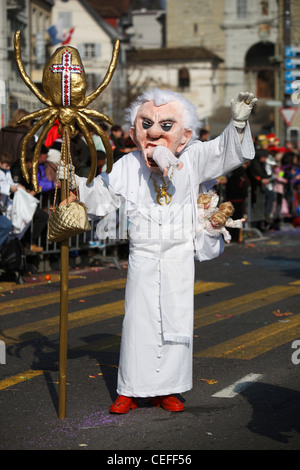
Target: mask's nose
point(155, 131)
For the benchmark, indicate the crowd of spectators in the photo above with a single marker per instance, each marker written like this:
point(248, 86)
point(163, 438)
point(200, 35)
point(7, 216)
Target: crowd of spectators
point(266, 189)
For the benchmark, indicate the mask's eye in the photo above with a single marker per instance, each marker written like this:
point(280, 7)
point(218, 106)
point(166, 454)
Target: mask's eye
point(146, 124)
point(166, 126)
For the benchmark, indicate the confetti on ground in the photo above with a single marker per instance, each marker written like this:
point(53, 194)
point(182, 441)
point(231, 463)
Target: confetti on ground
point(246, 263)
point(227, 316)
point(277, 313)
point(95, 376)
point(108, 365)
point(209, 381)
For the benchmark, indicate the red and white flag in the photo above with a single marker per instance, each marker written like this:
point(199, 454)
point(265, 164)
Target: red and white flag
point(67, 36)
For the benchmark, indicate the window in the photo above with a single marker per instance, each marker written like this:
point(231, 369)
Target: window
point(264, 7)
point(241, 8)
point(33, 21)
point(89, 51)
point(66, 17)
point(47, 22)
point(41, 22)
point(93, 80)
point(183, 78)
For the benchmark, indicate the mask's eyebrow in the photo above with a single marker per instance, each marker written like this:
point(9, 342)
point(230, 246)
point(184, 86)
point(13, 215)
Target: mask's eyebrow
point(144, 116)
point(167, 120)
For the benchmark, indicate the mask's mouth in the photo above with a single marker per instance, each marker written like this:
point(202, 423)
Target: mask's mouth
point(149, 160)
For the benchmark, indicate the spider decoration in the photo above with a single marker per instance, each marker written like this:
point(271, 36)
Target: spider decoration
point(162, 192)
point(64, 84)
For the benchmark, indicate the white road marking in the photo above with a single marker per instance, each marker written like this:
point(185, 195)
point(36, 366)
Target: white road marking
point(237, 387)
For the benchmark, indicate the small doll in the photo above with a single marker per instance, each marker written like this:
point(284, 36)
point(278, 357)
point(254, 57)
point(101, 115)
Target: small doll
point(227, 209)
point(215, 220)
point(208, 202)
point(206, 205)
point(215, 226)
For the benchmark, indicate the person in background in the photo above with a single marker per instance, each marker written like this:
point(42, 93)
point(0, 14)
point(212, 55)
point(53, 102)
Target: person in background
point(204, 135)
point(12, 135)
point(40, 217)
point(7, 187)
point(236, 192)
point(116, 135)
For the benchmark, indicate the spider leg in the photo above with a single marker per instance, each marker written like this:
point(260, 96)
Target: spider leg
point(37, 150)
point(25, 141)
point(24, 75)
point(108, 76)
point(33, 115)
point(96, 114)
point(81, 123)
point(105, 140)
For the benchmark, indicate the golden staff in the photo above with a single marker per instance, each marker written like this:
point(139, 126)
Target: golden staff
point(64, 84)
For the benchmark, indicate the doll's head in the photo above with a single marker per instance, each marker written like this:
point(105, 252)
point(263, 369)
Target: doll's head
point(227, 208)
point(204, 199)
point(218, 219)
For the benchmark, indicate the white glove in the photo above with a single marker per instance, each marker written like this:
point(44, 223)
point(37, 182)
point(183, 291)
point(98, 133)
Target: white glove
point(61, 174)
point(165, 159)
point(241, 108)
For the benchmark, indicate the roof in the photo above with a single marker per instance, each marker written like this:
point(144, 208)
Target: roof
point(112, 32)
point(172, 54)
point(110, 8)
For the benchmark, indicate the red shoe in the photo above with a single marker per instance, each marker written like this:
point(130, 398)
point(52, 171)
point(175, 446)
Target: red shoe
point(168, 403)
point(123, 405)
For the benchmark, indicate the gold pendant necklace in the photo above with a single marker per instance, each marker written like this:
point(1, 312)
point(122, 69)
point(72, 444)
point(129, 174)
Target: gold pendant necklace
point(162, 190)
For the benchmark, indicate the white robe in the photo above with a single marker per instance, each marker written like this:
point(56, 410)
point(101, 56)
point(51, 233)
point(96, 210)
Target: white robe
point(157, 334)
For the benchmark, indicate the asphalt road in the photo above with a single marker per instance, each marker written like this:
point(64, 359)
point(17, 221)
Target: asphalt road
point(246, 392)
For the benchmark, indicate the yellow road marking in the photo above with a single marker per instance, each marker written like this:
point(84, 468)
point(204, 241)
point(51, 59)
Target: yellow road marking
point(245, 303)
point(54, 297)
point(10, 381)
point(242, 304)
point(36, 301)
point(257, 342)
point(50, 326)
point(204, 316)
point(201, 286)
point(9, 285)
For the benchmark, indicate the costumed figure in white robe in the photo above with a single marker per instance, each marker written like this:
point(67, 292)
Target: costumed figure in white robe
point(159, 185)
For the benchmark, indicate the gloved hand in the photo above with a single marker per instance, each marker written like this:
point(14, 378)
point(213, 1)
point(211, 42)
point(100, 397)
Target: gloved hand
point(241, 108)
point(165, 159)
point(62, 174)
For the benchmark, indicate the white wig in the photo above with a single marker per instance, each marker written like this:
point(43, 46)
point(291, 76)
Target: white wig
point(160, 97)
